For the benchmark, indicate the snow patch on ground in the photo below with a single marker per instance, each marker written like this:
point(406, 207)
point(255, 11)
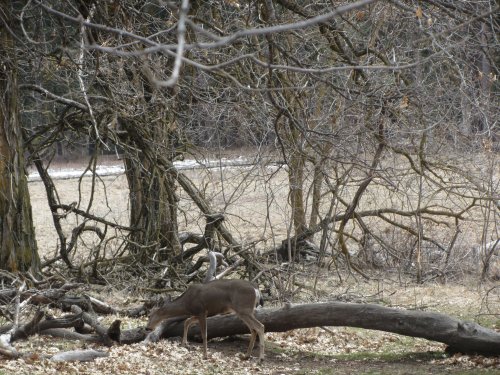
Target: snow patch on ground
point(114, 170)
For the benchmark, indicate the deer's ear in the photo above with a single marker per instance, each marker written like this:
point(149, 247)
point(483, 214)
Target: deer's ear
point(162, 301)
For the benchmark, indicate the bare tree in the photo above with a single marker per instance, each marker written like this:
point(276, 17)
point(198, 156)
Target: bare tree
point(18, 247)
point(359, 99)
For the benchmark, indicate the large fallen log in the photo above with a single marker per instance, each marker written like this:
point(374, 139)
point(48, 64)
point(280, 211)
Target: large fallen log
point(460, 336)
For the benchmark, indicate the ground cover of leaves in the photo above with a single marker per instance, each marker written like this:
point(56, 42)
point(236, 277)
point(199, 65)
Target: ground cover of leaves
point(302, 351)
point(327, 350)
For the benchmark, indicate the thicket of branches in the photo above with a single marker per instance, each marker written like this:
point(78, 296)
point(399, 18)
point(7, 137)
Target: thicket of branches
point(383, 115)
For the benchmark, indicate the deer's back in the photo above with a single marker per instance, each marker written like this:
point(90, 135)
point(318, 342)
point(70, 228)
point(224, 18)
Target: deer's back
point(221, 296)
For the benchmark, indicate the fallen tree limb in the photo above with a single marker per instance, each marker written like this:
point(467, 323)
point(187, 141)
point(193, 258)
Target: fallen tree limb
point(78, 356)
point(37, 296)
point(94, 323)
point(425, 212)
point(37, 325)
point(29, 328)
point(64, 333)
point(6, 349)
point(460, 336)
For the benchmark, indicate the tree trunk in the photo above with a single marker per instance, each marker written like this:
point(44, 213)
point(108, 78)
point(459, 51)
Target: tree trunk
point(153, 209)
point(153, 202)
point(296, 168)
point(460, 336)
point(18, 247)
point(289, 105)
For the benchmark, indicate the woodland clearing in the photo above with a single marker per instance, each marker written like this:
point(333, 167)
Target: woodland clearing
point(339, 350)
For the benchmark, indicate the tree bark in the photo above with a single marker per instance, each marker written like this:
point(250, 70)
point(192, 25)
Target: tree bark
point(460, 336)
point(18, 247)
point(153, 201)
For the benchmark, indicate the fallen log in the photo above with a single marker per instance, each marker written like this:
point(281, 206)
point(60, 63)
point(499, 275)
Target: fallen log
point(78, 356)
point(94, 323)
point(460, 336)
point(66, 334)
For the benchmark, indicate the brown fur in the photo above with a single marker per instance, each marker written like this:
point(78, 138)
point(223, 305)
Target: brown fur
point(200, 301)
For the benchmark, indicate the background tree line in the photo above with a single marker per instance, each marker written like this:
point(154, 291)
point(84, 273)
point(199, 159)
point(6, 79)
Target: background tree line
point(382, 114)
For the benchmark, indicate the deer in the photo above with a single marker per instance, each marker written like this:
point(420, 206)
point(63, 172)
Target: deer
point(200, 301)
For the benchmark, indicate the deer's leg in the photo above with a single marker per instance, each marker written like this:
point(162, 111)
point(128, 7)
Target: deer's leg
point(248, 323)
point(259, 328)
point(262, 340)
point(202, 319)
point(256, 328)
point(252, 343)
point(187, 324)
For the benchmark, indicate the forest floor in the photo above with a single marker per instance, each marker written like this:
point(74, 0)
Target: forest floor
point(321, 350)
point(325, 350)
